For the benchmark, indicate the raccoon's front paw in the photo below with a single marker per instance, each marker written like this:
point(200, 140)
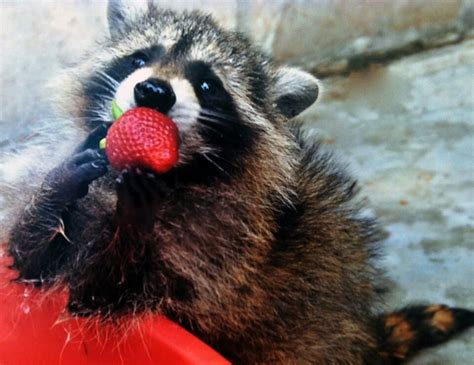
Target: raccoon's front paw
point(139, 194)
point(93, 139)
point(71, 179)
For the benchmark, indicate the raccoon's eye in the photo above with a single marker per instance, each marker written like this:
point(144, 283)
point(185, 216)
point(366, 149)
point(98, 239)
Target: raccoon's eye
point(139, 59)
point(208, 87)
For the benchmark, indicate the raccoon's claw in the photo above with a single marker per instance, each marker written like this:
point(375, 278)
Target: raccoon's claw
point(128, 190)
point(139, 194)
point(87, 156)
point(93, 139)
point(155, 186)
point(70, 180)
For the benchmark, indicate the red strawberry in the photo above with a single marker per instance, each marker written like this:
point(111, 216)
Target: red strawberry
point(143, 137)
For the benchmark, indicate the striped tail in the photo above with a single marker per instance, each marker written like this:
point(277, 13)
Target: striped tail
point(402, 334)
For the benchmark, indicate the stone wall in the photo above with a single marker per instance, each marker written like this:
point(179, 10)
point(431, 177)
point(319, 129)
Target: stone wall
point(330, 36)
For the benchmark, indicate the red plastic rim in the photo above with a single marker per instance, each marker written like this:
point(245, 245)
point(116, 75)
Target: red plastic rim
point(35, 329)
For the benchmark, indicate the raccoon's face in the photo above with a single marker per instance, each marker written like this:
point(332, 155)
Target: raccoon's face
point(221, 92)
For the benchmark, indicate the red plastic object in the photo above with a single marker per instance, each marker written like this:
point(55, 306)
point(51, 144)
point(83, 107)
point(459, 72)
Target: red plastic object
point(35, 329)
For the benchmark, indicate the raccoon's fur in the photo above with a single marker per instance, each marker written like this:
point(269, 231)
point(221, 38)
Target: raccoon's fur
point(252, 242)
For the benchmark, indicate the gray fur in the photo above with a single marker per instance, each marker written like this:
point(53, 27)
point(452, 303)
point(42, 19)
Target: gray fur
point(120, 12)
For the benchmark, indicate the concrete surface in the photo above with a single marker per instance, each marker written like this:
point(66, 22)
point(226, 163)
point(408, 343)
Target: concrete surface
point(406, 130)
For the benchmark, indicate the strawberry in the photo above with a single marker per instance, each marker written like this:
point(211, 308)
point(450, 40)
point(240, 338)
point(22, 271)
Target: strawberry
point(143, 137)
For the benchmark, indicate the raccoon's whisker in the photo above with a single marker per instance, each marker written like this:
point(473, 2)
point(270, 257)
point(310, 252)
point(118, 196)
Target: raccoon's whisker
point(184, 112)
point(96, 115)
point(101, 107)
point(218, 114)
point(99, 113)
point(95, 110)
point(213, 153)
point(107, 89)
point(213, 117)
point(219, 119)
point(209, 113)
point(211, 128)
point(98, 120)
point(108, 77)
point(106, 86)
point(223, 124)
point(215, 163)
point(181, 115)
point(187, 116)
point(82, 119)
point(105, 97)
point(218, 128)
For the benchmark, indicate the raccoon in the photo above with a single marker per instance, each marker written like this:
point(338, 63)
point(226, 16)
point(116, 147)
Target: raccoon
point(254, 242)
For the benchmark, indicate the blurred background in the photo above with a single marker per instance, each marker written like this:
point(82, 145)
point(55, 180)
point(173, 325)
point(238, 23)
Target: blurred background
point(398, 107)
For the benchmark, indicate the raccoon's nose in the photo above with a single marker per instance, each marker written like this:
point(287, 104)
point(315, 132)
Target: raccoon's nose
point(156, 94)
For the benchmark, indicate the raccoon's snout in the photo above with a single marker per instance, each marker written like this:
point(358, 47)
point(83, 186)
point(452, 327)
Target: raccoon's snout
point(155, 93)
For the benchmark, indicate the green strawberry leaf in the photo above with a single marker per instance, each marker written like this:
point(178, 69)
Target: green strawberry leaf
point(116, 111)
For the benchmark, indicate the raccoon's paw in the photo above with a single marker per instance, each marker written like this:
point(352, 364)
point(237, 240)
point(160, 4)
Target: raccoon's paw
point(139, 194)
point(71, 179)
point(93, 139)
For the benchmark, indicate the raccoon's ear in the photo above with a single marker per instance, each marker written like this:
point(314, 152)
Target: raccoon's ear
point(120, 12)
point(294, 91)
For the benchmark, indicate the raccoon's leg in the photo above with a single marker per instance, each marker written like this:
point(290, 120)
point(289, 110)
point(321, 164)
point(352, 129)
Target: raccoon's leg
point(38, 241)
point(111, 277)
